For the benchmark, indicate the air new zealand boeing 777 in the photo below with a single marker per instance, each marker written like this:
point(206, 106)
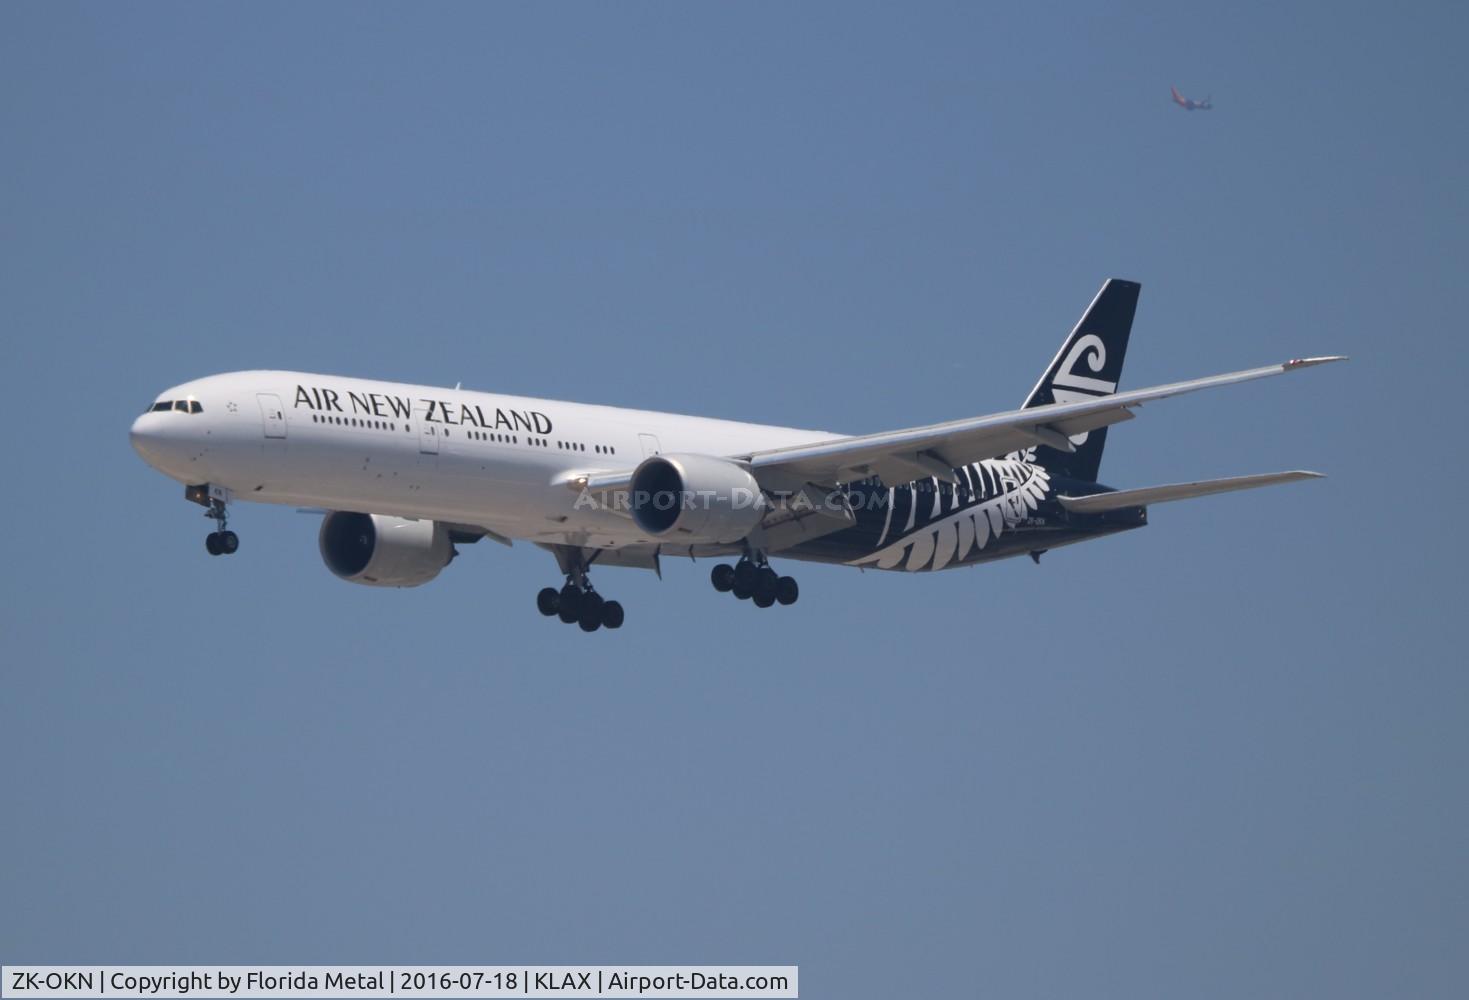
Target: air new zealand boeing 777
point(404, 474)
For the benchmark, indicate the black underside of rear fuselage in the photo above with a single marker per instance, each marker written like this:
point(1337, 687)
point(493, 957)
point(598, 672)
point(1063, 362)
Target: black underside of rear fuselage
point(999, 509)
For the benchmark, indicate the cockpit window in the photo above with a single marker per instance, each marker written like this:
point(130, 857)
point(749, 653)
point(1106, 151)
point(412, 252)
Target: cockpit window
point(176, 406)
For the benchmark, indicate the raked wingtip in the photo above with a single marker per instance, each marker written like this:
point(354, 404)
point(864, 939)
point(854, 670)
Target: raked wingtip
point(1308, 362)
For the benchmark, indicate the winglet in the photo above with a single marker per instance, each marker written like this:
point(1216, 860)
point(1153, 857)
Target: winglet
point(1294, 363)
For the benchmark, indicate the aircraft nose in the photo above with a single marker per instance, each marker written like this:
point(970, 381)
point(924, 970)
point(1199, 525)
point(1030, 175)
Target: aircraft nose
point(146, 436)
point(162, 440)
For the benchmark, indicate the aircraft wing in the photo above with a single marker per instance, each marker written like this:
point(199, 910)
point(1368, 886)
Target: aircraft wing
point(936, 450)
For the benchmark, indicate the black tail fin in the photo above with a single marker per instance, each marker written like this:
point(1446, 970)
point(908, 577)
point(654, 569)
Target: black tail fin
point(1088, 365)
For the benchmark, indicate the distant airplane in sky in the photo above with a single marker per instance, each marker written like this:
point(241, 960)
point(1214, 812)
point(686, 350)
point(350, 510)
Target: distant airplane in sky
point(1207, 104)
point(405, 473)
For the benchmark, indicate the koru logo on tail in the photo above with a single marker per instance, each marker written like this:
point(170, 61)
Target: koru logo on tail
point(1080, 388)
point(1096, 361)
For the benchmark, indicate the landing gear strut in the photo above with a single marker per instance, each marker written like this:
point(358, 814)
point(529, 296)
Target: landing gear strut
point(576, 603)
point(752, 579)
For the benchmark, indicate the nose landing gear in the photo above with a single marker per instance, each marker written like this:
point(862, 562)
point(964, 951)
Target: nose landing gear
point(752, 579)
point(222, 541)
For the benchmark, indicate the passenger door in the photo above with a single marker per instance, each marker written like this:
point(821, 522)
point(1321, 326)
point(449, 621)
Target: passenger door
point(428, 435)
point(272, 414)
point(650, 445)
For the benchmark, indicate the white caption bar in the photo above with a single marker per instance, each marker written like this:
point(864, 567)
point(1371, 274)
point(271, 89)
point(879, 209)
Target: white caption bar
point(126, 982)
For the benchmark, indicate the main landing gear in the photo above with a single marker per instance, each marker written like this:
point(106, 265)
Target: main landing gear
point(577, 603)
point(754, 581)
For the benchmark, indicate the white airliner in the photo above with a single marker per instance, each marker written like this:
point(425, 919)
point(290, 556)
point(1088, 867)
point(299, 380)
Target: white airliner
point(405, 473)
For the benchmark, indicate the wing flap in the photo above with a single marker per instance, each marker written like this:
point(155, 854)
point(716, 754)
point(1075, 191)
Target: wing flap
point(1099, 503)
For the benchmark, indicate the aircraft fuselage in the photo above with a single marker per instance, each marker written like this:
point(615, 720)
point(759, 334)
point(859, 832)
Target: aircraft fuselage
point(504, 463)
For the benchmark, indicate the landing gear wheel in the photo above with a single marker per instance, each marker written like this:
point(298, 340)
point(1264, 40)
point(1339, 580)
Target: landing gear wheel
point(723, 577)
point(743, 593)
point(786, 590)
point(765, 587)
point(548, 601)
point(229, 543)
point(570, 604)
point(745, 575)
point(612, 615)
point(211, 543)
point(590, 618)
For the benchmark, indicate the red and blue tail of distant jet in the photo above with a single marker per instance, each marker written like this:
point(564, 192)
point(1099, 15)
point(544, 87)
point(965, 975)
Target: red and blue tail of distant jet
point(1207, 104)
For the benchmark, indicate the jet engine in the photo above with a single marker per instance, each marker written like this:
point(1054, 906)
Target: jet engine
point(695, 498)
point(381, 551)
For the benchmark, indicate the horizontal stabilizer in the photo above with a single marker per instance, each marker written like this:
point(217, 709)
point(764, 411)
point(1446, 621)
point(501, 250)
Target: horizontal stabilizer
point(1099, 503)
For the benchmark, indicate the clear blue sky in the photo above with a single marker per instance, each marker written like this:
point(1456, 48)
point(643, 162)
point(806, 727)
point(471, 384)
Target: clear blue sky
point(1220, 757)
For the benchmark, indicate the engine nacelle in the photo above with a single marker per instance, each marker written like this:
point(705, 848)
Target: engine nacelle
point(695, 498)
point(382, 551)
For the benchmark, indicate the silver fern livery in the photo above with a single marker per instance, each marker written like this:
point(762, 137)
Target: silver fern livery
point(950, 523)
